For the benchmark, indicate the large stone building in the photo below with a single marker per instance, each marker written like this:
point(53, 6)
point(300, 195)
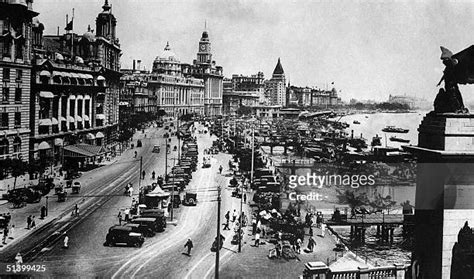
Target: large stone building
point(243, 91)
point(205, 68)
point(169, 86)
point(16, 21)
point(75, 92)
point(275, 88)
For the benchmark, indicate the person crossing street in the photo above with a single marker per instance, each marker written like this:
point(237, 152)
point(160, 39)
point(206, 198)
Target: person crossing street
point(189, 245)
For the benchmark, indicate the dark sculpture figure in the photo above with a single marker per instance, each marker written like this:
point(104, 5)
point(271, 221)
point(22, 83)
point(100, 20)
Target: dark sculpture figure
point(459, 70)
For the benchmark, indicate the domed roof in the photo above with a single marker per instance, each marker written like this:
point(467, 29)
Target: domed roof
point(167, 54)
point(89, 36)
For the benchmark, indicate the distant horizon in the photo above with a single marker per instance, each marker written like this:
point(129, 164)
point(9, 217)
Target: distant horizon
point(368, 49)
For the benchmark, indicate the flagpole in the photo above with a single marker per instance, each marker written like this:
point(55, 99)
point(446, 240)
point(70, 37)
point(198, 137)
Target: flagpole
point(72, 35)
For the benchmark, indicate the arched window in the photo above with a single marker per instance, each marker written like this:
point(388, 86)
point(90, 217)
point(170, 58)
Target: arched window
point(4, 146)
point(17, 145)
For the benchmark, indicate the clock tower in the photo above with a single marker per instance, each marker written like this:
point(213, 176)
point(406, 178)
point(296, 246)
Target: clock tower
point(204, 55)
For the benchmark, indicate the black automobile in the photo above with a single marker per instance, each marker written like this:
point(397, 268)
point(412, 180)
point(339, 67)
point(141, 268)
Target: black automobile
point(139, 228)
point(149, 222)
point(190, 199)
point(158, 216)
point(123, 235)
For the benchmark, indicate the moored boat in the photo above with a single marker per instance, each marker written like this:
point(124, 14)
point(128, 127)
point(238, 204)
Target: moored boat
point(393, 129)
point(399, 139)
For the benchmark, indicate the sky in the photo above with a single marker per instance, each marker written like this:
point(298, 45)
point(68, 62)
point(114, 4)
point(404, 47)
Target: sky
point(369, 49)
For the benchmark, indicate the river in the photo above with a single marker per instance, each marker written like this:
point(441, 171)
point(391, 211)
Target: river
point(370, 126)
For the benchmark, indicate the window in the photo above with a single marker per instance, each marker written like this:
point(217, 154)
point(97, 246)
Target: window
point(72, 112)
point(17, 119)
point(4, 123)
point(17, 145)
point(17, 95)
point(6, 74)
point(5, 93)
point(19, 75)
point(4, 146)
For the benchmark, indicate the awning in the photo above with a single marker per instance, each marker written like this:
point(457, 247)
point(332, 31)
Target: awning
point(56, 73)
point(100, 116)
point(70, 119)
point(88, 76)
point(99, 135)
point(87, 97)
point(100, 78)
point(86, 118)
point(62, 118)
point(90, 136)
point(54, 121)
point(64, 74)
point(123, 104)
point(43, 146)
point(46, 94)
point(72, 97)
point(45, 74)
point(83, 150)
point(78, 118)
point(45, 122)
point(58, 142)
point(101, 94)
point(75, 75)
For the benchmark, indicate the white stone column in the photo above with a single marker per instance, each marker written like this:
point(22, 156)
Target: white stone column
point(83, 111)
point(68, 111)
point(91, 120)
point(75, 113)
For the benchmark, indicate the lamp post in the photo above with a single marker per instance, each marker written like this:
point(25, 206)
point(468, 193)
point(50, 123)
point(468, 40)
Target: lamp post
point(218, 237)
point(46, 206)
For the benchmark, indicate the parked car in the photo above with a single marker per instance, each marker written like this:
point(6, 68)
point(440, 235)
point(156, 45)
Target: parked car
point(149, 222)
point(190, 199)
point(156, 149)
point(123, 235)
point(143, 229)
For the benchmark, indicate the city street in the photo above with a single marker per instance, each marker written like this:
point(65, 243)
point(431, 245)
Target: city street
point(161, 254)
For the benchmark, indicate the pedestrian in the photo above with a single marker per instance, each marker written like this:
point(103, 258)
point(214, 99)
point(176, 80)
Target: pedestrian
point(66, 241)
point(119, 216)
point(8, 217)
point(43, 212)
point(12, 230)
point(311, 231)
point(298, 246)
point(76, 210)
point(33, 222)
point(18, 258)
point(135, 152)
point(5, 235)
point(227, 216)
point(278, 249)
point(311, 244)
point(254, 226)
point(220, 169)
point(245, 198)
point(143, 174)
point(153, 175)
point(323, 229)
point(226, 225)
point(189, 245)
point(234, 216)
point(257, 239)
point(130, 191)
point(28, 222)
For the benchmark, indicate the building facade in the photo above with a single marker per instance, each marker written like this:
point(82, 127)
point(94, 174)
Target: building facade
point(275, 88)
point(243, 91)
point(16, 23)
point(75, 91)
point(205, 68)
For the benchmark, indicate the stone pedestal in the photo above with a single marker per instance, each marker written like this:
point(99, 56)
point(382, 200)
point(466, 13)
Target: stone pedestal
point(444, 190)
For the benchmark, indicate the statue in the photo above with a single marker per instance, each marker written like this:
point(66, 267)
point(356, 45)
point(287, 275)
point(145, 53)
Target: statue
point(459, 70)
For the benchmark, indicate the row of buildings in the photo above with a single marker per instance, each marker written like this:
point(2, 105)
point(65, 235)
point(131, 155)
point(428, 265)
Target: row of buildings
point(60, 93)
point(267, 97)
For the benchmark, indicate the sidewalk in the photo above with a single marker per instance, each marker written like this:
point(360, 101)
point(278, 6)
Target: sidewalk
point(55, 209)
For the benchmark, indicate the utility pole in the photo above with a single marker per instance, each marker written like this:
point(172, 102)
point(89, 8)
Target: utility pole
point(253, 151)
point(166, 160)
point(178, 136)
point(218, 238)
point(172, 194)
point(140, 174)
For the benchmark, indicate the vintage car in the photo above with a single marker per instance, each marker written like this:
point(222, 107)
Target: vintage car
point(150, 222)
point(76, 187)
point(156, 149)
point(190, 199)
point(123, 235)
point(143, 229)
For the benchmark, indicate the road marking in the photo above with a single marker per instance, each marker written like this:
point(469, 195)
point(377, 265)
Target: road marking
point(196, 265)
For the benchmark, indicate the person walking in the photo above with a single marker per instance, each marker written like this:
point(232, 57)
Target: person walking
point(153, 175)
point(311, 244)
point(323, 229)
point(28, 222)
point(234, 216)
point(220, 169)
point(254, 226)
point(76, 210)
point(298, 246)
point(119, 216)
point(66, 242)
point(227, 216)
point(257, 239)
point(245, 198)
point(143, 174)
point(226, 225)
point(12, 230)
point(5, 235)
point(33, 223)
point(189, 245)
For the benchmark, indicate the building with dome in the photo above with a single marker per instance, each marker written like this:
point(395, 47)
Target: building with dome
point(75, 88)
point(16, 23)
point(275, 88)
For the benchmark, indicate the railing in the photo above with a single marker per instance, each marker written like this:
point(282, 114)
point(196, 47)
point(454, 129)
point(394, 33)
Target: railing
point(397, 271)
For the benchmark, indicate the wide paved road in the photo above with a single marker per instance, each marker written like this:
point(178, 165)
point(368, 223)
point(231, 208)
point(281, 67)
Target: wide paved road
point(161, 256)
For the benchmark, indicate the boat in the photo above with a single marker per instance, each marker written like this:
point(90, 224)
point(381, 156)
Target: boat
point(356, 122)
point(393, 129)
point(399, 139)
point(376, 141)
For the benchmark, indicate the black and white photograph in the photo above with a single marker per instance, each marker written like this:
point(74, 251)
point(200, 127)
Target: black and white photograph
point(198, 139)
